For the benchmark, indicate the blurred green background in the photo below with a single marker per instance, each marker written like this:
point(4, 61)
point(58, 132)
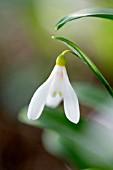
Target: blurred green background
point(27, 56)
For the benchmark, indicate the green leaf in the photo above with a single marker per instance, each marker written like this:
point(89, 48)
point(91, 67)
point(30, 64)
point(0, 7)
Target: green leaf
point(90, 95)
point(93, 169)
point(80, 148)
point(87, 144)
point(106, 13)
point(79, 53)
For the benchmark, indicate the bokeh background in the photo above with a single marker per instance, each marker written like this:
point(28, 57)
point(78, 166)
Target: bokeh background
point(27, 56)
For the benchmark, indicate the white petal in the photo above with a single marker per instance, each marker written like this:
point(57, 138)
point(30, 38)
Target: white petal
point(71, 105)
point(53, 101)
point(39, 98)
point(57, 80)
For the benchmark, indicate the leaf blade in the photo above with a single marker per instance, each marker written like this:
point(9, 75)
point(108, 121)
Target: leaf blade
point(80, 54)
point(106, 13)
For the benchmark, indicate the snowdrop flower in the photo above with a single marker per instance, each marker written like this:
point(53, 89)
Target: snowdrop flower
point(55, 89)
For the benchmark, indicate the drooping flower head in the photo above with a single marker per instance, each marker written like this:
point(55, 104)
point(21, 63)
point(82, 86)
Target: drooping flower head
point(55, 89)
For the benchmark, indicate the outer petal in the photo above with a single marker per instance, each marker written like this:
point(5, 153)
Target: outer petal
point(71, 105)
point(53, 101)
point(39, 98)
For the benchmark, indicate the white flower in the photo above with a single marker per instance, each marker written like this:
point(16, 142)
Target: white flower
point(55, 89)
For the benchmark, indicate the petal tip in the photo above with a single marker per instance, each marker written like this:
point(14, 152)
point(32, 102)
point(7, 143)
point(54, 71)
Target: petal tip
point(75, 121)
point(30, 117)
point(74, 117)
point(31, 114)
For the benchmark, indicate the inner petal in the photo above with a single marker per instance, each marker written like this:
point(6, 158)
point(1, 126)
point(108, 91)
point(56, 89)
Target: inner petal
point(53, 102)
point(56, 84)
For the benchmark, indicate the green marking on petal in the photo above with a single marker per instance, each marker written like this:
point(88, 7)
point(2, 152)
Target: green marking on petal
point(54, 94)
point(60, 94)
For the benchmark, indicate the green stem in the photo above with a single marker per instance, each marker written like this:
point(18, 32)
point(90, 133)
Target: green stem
point(66, 51)
point(96, 71)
